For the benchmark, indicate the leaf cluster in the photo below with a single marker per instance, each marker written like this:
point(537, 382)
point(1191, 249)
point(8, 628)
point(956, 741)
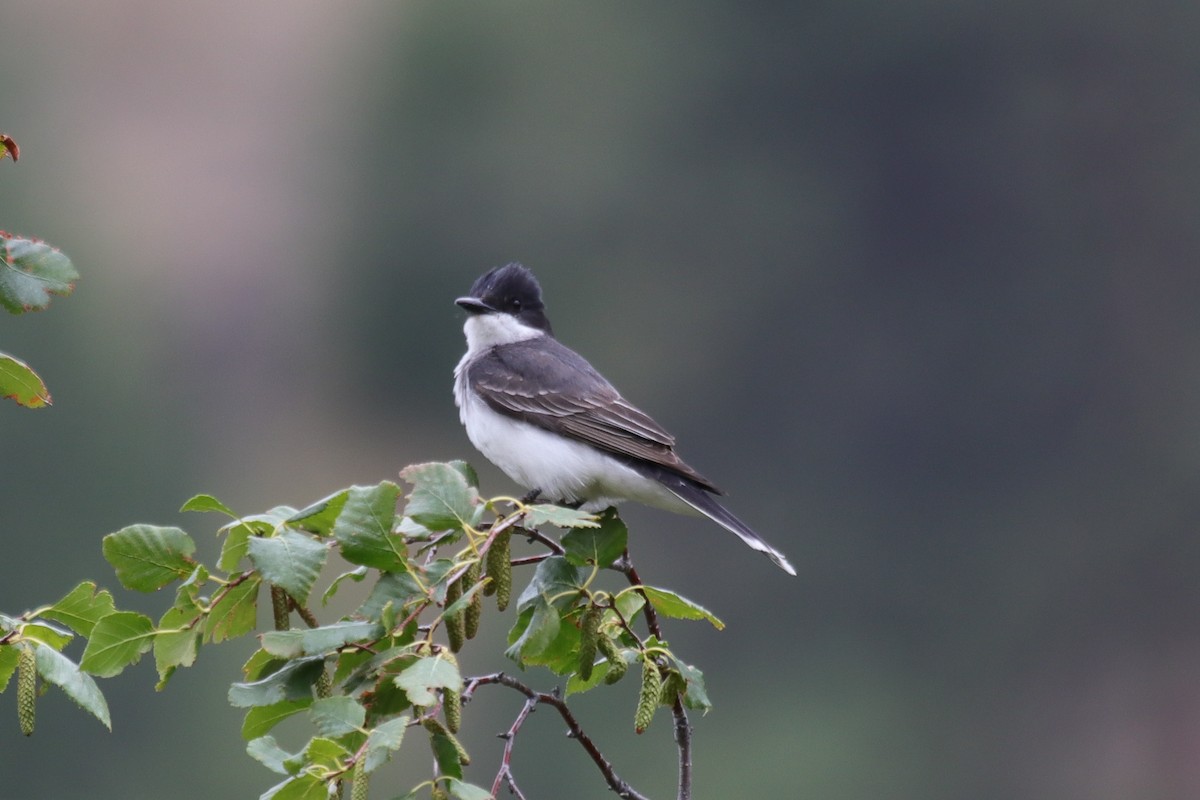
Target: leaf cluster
point(31, 274)
point(364, 680)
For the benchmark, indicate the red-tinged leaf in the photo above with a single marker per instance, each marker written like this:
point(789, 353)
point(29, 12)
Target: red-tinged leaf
point(31, 272)
point(20, 383)
point(8, 147)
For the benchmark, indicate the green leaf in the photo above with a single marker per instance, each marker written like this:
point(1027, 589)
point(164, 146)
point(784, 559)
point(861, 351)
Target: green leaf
point(81, 608)
point(292, 682)
point(446, 754)
point(117, 641)
point(536, 628)
point(20, 383)
point(61, 671)
point(432, 672)
point(364, 528)
point(290, 560)
point(206, 502)
point(384, 740)
point(555, 578)
point(319, 641)
point(239, 532)
point(357, 575)
point(301, 787)
point(696, 696)
point(9, 656)
point(266, 751)
point(335, 716)
point(670, 604)
point(441, 499)
point(260, 665)
point(31, 272)
point(559, 516)
point(468, 472)
point(467, 791)
point(148, 557)
point(319, 517)
point(176, 642)
point(47, 634)
point(321, 752)
point(600, 546)
point(261, 719)
point(396, 588)
point(235, 613)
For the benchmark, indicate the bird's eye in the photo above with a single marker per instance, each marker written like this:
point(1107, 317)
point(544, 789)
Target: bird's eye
point(515, 303)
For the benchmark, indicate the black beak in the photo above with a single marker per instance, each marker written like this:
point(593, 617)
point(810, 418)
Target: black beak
point(474, 305)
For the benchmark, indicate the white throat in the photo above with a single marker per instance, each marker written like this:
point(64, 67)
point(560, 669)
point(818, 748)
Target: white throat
point(485, 331)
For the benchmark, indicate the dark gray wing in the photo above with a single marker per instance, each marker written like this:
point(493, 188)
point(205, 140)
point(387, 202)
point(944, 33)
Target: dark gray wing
point(545, 383)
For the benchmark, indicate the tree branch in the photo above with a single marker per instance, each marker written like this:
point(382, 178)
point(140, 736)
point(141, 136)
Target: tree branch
point(683, 729)
point(575, 731)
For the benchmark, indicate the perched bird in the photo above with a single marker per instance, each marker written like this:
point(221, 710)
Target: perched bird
point(540, 412)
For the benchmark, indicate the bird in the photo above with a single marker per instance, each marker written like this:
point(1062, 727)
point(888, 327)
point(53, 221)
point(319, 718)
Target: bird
point(542, 414)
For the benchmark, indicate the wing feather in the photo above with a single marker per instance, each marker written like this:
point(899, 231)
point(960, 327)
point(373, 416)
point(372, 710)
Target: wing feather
point(570, 398)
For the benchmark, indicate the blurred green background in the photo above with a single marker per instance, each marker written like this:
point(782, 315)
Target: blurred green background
point(916, 282)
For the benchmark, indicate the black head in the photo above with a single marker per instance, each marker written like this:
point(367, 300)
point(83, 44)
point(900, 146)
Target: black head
point(510, 289)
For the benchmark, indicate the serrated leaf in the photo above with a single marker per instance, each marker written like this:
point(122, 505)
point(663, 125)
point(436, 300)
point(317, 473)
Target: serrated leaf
point(383, 740)
point(20, 383)
point(535, 629)
point(364, 528)
point(670, 604)
point(261, 719)
point(31, 272)
point(61, 671)
point(206, 502)
point(559, 517)
point(323, 752)
point(576, 685)
point(467, 791)
point(357, 575)
point(335, 716)
point(396, 588)
point(82, 607)
point(148, 557)
point(446, 754)
point(176, 642)
point(235, 613)
point(301, 787)
point(555, 577)
point(292, 682)
point(233, 550)
point(47, 634)
point(319, 641)
point(266, 751)
point(319, 517)
point(696, 696)
point(117, 641)
point(261, 664)
point(9, 656)
point(290, 560)
point(468, 472)
point(431, 672)
point(239, 532)
point(441, 499)
point(601, 545)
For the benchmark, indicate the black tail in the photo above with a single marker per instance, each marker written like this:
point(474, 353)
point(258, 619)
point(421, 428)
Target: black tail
point(706, 504)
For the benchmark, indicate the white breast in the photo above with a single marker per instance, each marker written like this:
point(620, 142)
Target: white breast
point(564, 470)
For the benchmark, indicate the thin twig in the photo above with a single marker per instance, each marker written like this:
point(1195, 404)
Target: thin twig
point(533, 698)
point(683, 729)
